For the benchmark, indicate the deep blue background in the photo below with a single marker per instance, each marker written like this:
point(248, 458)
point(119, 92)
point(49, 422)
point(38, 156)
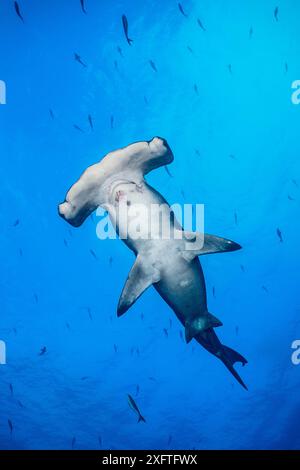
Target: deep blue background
point(246, 131)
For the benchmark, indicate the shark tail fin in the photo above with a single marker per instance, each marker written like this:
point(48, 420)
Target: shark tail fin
point(229, 357)
point(141, 418)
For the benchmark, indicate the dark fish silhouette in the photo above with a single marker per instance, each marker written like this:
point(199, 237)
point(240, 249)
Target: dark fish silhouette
point(93, 254)
point(115, 348)
point(120, 51)
point(153, 66)
point(79, 60)
point(265, 289)
point(153, 379)
point(51, 113)
point(43, 351)
point(243, 268)
point(116, 65)
point(125, 27)
point(290, 198)
point(11, 388)
point(135, 408)
point(235, 218)
point(168, 171)
point(90, 313)
point(237, 330)
point(17, 8)
point(214, 292)
point(145, 100)
point(110, 261)
point(112, 121)
point(279, 233)
point(65, 242)
point(197, 152)
point(21, 252)
point(36, 298)
point(137, 352)
point(20, 404)
point(73, 442)
point(196, 89)
point(82, 6)
point(232, 156)
point(295, 183)
point(16, 223)
point(229, 66)
point(286, 67)
point(166, 332)
point(91, 122)
point(170, 322)
point(10, 425)
point(250, 32)
point(182, 10)
point(200, 24)
point(181, 335)
point(85, 377)
point(137, 390)
point(78, 128)
point(276, 11)
point(190, 49)
point(142, 316)
point(68, 325)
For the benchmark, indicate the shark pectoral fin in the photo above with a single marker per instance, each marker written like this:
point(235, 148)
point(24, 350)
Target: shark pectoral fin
point(196, 244)
point(200, 324)
point(142, 275)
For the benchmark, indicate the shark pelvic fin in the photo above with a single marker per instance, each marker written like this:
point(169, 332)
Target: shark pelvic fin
point(196, 244)
point(200, 324)
point(142, 275)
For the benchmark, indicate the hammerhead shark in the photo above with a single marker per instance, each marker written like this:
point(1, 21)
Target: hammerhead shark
point(169, 263)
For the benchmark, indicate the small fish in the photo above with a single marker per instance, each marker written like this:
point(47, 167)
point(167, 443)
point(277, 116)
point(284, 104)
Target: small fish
point(152, 64)
point(91, 122)
point(82, 6)
point(170, 322)
point(125, 27)
point(250, 32)
point(181, 335)
point(17, 8)
point(68, 326)
point(20, 404)
point(142, 316)
point(166, 332)
point(286, 67)
point(152, 379)
point(196, 89)
point(112, 121)
point(276, 11)
point(182, 10)
point(190, 49)
point(214, 292)
point(10, 425)
point(78, 128)
point(295, 183)
point(11, 388)
point(134, 407)
point(79, 60)
point(93, 254)
point(145, 100)
point(43, 351)
point(73, 442)
point(21, 252)
point(36, 298)
point(116, 65)
point(168, 171)
point(229, 66)
point(90, 313)
point(131, 351)
point(137, 390)
point(242, 268)
point(16, 223)
point(232, 156)
point(115, 348)
point(51, 113)
point(137, 352)
point(279, 233)
point(290, 198)
point(85, 377)
point(120, 51)
point(200, 24)
point(235, 218)
point(265, 289)
point(237, 330)
point(197, 152)
point(110, 261)
point(65, 242)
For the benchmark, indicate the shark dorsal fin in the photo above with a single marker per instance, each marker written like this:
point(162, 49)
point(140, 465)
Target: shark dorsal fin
point(142, 275)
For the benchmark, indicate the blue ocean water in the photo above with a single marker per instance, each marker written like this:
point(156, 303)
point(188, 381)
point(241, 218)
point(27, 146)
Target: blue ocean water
point(235, 138)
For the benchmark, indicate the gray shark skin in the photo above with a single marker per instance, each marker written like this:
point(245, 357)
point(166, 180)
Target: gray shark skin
point(171, 264)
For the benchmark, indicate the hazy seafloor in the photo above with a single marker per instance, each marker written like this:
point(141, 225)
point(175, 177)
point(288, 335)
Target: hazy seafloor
point(235, 137)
